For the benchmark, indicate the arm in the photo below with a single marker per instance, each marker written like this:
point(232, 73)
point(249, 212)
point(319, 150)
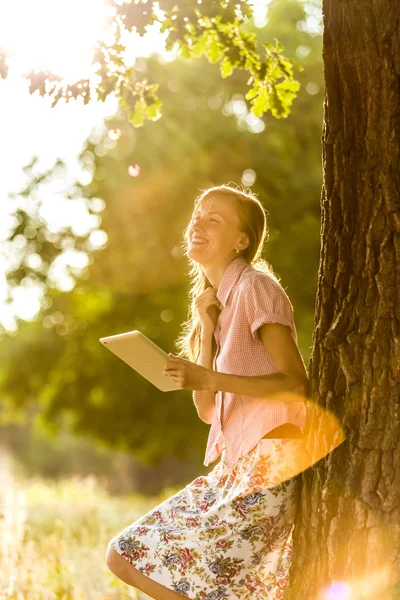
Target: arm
point(204, 400)
point(259, 386)
point(291, 375)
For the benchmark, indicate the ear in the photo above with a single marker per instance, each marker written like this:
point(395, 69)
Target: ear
point(245, 240)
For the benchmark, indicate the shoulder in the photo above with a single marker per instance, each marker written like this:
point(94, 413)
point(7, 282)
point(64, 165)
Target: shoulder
point(260, 281)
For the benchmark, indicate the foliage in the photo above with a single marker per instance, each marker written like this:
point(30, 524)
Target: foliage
point(213, 28)
point(55, 535)
point(138, 280)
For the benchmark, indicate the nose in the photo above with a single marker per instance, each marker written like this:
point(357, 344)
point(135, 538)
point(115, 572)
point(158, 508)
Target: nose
point(196, 229)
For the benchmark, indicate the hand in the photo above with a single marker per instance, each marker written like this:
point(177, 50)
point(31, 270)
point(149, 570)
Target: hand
point(208, 307)
point(188, 375)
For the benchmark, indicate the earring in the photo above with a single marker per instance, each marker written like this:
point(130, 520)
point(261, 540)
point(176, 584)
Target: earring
point(237, 251)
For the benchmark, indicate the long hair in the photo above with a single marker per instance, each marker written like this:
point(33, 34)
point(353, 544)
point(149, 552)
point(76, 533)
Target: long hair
point(253, 222)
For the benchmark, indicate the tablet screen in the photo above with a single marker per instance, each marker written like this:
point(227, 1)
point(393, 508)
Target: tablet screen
point(142, 355)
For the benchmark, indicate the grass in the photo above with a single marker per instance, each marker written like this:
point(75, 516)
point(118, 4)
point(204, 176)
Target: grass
point(54, 535)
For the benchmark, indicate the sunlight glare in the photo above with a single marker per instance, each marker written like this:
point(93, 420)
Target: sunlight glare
point(55, 36)
point(368, 586)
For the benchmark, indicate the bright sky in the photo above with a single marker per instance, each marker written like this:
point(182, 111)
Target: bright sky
point(58, 36)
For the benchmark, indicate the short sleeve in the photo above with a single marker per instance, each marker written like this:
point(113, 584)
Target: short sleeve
point(267, 302)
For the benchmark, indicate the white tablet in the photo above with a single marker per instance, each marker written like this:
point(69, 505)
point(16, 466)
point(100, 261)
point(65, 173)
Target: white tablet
point(143, 355)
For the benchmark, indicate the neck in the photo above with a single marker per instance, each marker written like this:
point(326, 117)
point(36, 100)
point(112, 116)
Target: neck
point(214, 273)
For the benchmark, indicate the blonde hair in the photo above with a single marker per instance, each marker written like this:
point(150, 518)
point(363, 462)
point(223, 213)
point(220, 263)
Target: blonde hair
point(253, 222)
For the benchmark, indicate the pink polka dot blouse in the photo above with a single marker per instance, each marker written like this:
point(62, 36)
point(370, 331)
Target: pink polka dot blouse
point(250, 298)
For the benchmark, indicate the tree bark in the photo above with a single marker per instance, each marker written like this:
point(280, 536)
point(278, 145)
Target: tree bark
point(347, 530)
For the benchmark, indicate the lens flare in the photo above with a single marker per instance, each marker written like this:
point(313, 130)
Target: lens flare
point(134, 170)
point(371, 586)
point(337, 591)
point(114, 134)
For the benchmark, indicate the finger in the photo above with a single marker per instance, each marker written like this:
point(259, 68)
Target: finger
point(174, 358)
point(171, 363)
point(170, 370)
point(214, 298)
point(214, 302)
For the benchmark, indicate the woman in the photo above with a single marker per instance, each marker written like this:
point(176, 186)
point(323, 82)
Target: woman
point(228, 534)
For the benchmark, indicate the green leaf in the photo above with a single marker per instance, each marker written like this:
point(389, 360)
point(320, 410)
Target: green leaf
point(286, 92)
point(288, 86)
point(275, 72)
point(214, 51)
point(200, 47)
point(153, 110)
point(275, 105)
point(286, 66)
point(184, 52)
point(138, 113)
point(252, 93)
point(226, 68)
point(259, 106)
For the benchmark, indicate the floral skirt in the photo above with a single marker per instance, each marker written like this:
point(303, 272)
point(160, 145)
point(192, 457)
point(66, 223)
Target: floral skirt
point(226, 535)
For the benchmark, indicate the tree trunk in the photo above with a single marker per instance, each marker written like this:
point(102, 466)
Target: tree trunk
point(347, 532)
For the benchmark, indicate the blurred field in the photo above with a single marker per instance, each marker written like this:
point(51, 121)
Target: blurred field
point(54, 535)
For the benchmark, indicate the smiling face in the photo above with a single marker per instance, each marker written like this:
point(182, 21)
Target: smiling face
point(216, 223)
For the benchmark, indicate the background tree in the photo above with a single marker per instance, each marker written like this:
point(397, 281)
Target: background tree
point(207, 136)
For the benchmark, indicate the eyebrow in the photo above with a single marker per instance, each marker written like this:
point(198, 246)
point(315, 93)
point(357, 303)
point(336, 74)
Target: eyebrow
point(211, 213)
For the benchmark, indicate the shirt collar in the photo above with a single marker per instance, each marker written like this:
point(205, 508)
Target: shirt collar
point(230, 277)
